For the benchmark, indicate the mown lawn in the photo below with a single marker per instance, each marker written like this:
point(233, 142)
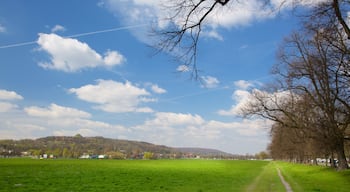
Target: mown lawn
point(127, 175)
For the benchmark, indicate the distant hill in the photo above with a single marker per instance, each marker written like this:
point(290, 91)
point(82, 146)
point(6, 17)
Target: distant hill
point(77, 146)
point(202, 151)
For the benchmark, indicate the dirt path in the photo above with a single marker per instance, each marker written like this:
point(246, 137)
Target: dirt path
point(269, 179)
point(285, 183)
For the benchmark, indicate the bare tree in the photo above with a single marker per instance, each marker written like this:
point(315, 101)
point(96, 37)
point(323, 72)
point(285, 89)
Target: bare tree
point(299, 134)
point(315, 68)
point(182, 36)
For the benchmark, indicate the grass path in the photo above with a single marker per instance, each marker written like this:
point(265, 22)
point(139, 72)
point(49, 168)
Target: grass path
point(315, 178)
point(285, 183)
point(283, 176)
point(267, 181)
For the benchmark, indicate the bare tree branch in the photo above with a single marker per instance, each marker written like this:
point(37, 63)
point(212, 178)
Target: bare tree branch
point(184, 39)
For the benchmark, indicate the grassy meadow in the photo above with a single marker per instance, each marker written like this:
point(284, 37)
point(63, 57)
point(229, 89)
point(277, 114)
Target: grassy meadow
point(127, 175)
point(315, 178)
point(162, 175)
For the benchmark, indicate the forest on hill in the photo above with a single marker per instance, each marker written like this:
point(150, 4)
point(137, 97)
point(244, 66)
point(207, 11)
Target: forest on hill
point(91, 147)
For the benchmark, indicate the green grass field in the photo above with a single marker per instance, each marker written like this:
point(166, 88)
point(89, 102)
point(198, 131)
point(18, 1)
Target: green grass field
point(315, 178)
point(157, 175)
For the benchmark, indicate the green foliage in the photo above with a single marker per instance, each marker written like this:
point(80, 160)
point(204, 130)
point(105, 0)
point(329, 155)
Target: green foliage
point(128, 175)
point(147, 155)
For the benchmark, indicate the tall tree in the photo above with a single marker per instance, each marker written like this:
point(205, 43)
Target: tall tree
point(314, 68)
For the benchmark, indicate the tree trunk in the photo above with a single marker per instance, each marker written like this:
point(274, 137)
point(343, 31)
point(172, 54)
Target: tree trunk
point(342, 162)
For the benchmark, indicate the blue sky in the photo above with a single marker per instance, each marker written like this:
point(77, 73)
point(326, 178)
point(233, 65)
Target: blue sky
point(88, 67)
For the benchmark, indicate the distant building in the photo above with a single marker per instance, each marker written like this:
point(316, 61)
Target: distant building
point(101, 156)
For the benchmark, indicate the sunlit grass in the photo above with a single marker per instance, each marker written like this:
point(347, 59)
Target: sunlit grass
point(112, 175)
point(165, 175)
point(268, 180)
point(315, 178)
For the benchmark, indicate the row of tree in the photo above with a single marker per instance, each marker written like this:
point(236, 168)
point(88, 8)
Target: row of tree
point(309, 102)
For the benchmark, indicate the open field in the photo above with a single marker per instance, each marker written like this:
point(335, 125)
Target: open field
point(127, 175)
point(160, 175)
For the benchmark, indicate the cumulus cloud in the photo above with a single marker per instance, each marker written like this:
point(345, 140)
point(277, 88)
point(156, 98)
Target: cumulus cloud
point(9, 95)
point(6, 97)
point(56, 111)
point(58, 28)
point(242, 84)
point(6, 107)
point(209, 81)
point(233, 14)
point(167, 119)
point(243, 97)
point(157, 89)
point(71, 55)
point(185, 129)
point(112, 96)
point(66, 121)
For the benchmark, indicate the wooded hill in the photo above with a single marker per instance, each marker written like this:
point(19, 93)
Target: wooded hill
point(77, 146)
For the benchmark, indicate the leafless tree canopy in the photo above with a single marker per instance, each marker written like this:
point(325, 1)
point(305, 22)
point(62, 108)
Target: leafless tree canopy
point(314, 71)
point(182, 37)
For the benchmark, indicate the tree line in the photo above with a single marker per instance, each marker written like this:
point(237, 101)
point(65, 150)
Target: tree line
point(309, 101)
point(91, 147)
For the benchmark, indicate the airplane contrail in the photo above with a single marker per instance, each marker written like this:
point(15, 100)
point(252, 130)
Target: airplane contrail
point(77, 35)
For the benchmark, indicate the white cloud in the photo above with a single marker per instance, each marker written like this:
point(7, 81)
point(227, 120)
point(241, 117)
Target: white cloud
point(113, 58)
point(6, 107)
point(157, 89)
point(71, 55)
point(9, 95)
point(213, 34)
point(56, 111)
point(287, 4)
point(166, 128)
point(137, 12)
point(182, 68)
point(237, 13)
point(242, 84)
point(174, 119)
point(181, 129)
point(233, 14)
point(112, 96)
point(58, 28)
point(243, 98)
point(55, 120)
point(209, 81)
